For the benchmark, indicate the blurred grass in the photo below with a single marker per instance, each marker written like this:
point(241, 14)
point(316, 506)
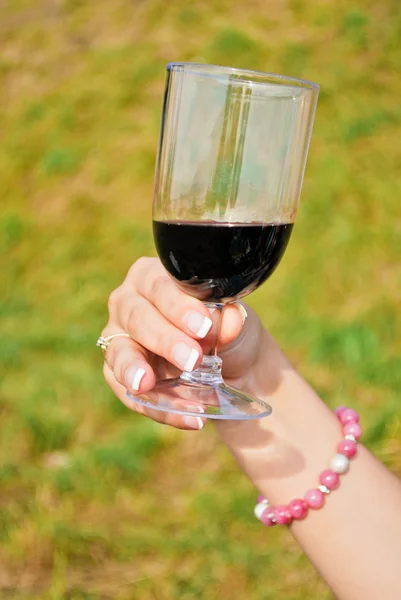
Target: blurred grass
point(91, 505)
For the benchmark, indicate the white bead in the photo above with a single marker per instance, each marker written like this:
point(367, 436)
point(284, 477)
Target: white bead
point(324, 489)
point(339, 463)
point(259, 508)
point(350, 437)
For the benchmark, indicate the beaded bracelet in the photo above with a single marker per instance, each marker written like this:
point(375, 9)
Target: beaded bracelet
point(329, 478)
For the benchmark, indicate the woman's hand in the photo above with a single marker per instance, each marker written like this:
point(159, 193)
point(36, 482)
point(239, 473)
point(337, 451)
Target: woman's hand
point(169, 333)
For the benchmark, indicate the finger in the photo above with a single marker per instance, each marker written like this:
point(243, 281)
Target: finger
point(233, 320)
point(149, 328)
point(185, 312)
point(180, 422)
point(149, 278)
point(239, 355)
point(129, 364)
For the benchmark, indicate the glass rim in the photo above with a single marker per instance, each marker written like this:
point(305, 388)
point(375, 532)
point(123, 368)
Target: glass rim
point(271, 78)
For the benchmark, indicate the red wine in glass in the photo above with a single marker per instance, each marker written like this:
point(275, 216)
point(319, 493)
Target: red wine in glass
point(217, 261)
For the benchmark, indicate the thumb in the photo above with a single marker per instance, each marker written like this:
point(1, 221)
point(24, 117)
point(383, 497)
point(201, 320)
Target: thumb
point(230, 327)
point(243, 342)
point(233, 320)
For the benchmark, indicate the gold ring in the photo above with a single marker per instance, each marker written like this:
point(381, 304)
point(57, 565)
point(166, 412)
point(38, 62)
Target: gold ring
point(103, 342)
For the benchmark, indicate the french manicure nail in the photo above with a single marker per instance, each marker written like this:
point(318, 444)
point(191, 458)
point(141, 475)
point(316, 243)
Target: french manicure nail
point(198, 323)
point(134, 377)
point(185, 356)
point(193, 422)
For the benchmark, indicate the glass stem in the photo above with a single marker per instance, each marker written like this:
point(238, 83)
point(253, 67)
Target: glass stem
point(209, 371)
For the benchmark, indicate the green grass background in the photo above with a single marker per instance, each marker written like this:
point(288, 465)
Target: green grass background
point(96, 502)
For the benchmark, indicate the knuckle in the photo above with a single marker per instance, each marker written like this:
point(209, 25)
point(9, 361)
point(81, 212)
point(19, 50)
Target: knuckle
point(120, 369)
point(133, 319)
point(165, 342)
point(157, 287)
point(114, 300)
point(120, 359)
point(142, 264)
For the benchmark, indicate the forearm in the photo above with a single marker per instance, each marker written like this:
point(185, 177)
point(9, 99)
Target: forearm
point(355, 539)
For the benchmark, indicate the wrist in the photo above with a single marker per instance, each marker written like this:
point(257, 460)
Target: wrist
point(282, 453)
point(270, 369)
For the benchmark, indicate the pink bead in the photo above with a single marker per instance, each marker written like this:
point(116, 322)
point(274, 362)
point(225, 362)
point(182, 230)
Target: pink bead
point(298, 508)
point(339, 410)
point(266, 519)
point(314, 498)
point(347, 448)
point(353, 429)
point(282, 515)
point(349, 416)
point(329, 478)
point(260, 499)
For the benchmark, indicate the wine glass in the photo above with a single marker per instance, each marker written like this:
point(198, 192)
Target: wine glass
point(232, 154)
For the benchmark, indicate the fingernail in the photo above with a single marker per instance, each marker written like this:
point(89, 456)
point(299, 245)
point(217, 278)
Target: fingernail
point(243, 312)
point(134, 377)
point(185, 356)
point(198, 323)
point(193, 422)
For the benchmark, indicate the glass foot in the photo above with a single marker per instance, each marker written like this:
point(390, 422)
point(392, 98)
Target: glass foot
point(214, 400)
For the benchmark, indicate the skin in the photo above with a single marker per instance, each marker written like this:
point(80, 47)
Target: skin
point(355, 540)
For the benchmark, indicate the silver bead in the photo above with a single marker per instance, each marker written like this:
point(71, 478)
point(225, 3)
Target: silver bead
point(260, 508)
point(324, 489)
point(339, 463)
point(350, 437)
